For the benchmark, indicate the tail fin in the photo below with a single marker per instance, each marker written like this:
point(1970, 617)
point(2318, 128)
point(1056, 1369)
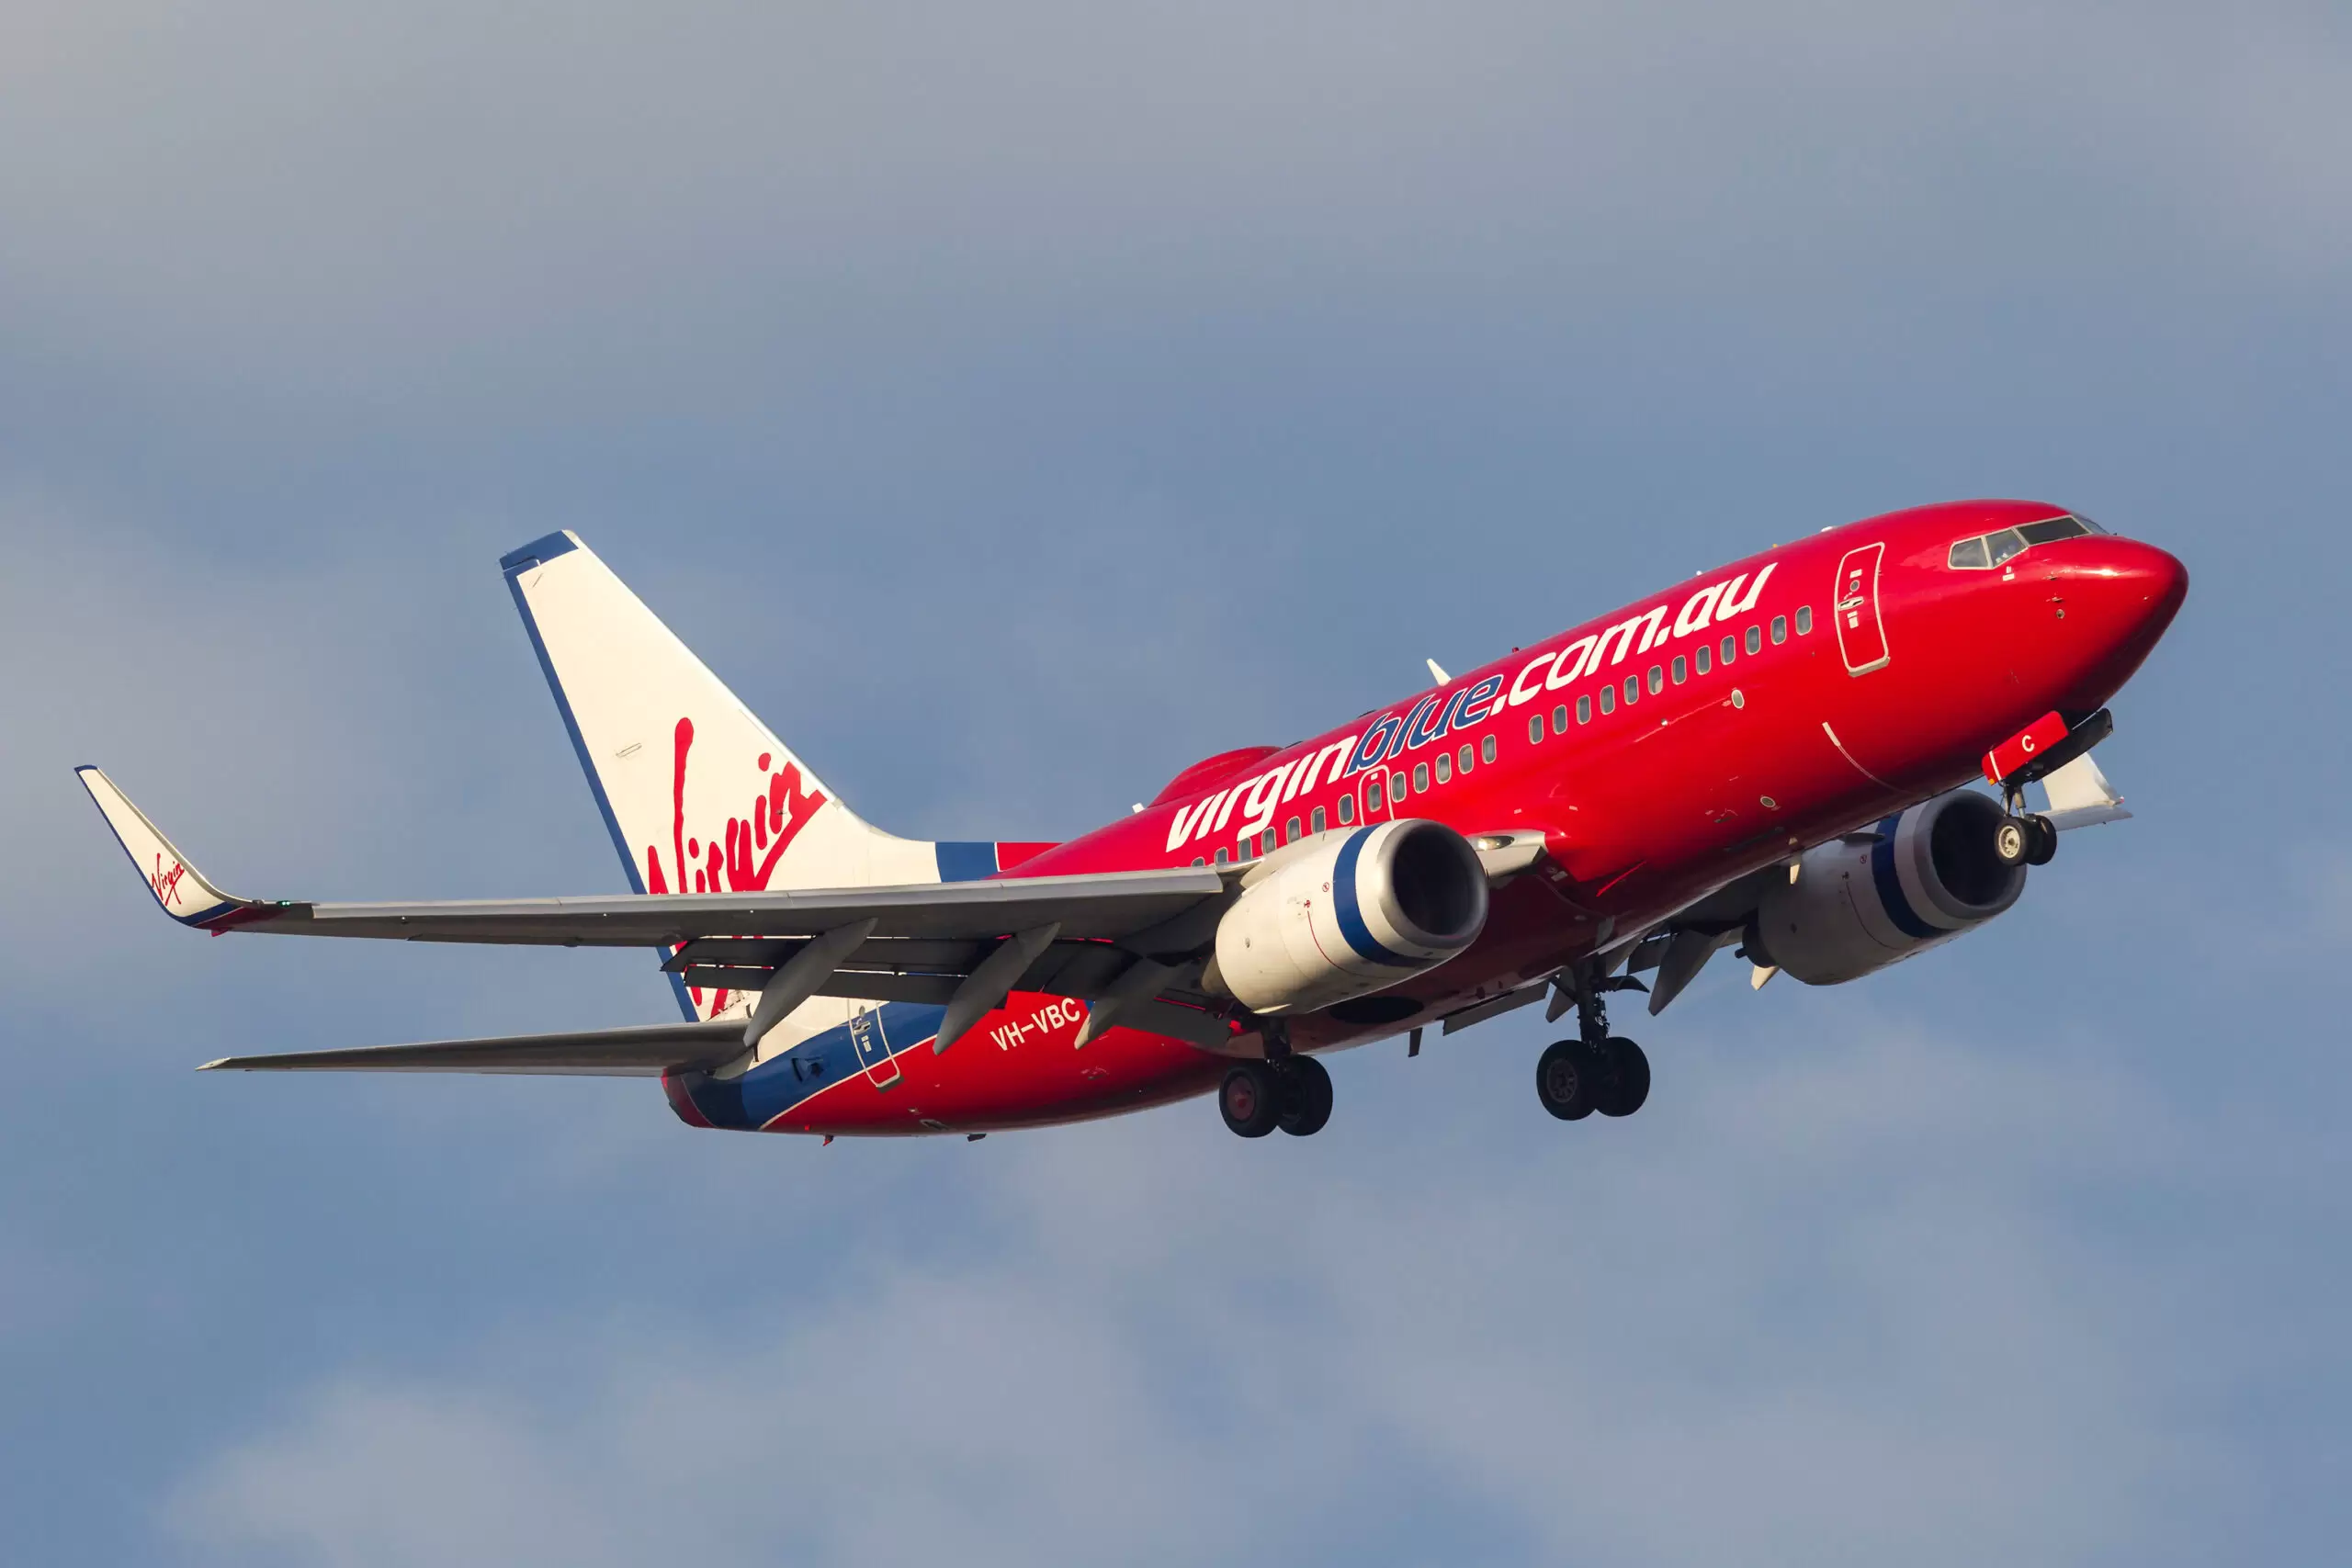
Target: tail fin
point(698, 795)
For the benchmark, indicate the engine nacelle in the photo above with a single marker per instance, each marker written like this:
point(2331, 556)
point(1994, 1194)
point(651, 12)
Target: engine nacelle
point(1354, 912)
point(1921, 878)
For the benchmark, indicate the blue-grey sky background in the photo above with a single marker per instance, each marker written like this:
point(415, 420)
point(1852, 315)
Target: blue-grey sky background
point(1015, 403)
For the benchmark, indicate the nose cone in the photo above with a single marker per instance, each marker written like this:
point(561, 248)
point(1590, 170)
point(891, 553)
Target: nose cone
point(2123, 594)
point(2139, 584)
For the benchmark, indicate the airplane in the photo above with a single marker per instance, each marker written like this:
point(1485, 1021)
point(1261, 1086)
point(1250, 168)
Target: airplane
point(1780, 756)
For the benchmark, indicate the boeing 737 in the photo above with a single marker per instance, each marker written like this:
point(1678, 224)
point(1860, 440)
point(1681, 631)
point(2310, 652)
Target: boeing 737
point(1780, 757)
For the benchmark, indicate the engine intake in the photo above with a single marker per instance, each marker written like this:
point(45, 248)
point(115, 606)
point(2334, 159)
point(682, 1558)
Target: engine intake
point(1350, 913)
point(1858, 903)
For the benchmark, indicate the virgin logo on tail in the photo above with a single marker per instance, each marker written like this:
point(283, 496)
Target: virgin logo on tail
point(166, 884)
point(743, 858)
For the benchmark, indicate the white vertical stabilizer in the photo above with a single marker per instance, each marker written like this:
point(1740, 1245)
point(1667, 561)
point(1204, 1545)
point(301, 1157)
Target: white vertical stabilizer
point(699, 794)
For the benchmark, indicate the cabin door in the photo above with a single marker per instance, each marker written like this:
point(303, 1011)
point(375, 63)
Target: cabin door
point(872, 1045)
point(1861, 636)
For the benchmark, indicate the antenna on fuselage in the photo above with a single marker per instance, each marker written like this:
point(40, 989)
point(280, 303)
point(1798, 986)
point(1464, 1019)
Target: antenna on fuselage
point(1438, 669)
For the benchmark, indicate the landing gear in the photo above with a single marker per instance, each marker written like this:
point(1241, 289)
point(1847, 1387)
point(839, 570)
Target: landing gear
point(1574, 1080)
point(1306, 1098)
point(1291, 1092)
point(1596, 1071)
point(2025, 841)
point(1566, 1075)
point(1250, 1100)
point(1625, 1079)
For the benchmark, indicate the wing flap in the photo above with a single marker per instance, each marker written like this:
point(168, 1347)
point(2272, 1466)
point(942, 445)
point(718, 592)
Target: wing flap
point(646, 1051)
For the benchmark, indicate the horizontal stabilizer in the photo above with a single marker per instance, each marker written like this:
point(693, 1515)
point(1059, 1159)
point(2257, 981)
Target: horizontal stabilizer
point(644, 1051)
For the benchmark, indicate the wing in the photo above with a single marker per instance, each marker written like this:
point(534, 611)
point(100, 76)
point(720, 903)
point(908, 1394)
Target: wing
point(964, 944)
point(641, 1053)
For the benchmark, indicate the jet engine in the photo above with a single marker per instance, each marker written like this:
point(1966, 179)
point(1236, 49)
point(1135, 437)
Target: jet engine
point(1859, 903)
point(1347, 913)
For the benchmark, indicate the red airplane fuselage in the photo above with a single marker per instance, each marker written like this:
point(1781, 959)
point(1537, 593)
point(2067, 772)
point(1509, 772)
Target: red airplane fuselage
point(1662, 751)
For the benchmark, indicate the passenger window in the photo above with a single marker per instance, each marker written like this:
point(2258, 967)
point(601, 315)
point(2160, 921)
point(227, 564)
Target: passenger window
point(1196, 860)
point(1706, 661)
point(1560, 719)
point(1633, 689)
point(1681, 669)
point(2004, 545)
point(1375, 793)
point(1315, 822)
point(1444, 769)
point(1608, 699)
point(1756, 639)
point(1534, 728)
point(1658, 680)
point(1222, 858)
point(1290, 831)
point(1461, 758)
point(1968, 555)
point(1486, 749)
point(1731, 647)
point(1584, 710)
point(1348, 806)
point(1395, 788)
point(1780, 628)
point(1804, 621)
point(1420, 777)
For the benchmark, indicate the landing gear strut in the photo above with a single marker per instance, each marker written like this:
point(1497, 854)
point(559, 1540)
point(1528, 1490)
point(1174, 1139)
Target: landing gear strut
point(1596, 1071)
point(2024, 838)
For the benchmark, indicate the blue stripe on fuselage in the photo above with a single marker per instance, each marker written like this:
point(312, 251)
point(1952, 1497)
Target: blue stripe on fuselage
point(961, 862)
point(775, 1085)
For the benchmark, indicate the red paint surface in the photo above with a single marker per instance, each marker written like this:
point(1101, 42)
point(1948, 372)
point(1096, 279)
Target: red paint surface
point(2023, 747)
point(1642, 810)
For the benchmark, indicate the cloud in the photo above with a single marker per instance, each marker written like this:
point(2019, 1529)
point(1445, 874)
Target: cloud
point(415, 204)
point(1735, 1331)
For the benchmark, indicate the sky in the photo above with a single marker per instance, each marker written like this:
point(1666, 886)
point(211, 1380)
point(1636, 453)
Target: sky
point(1015, 404)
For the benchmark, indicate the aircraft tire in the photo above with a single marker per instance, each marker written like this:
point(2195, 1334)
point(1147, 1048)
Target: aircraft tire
point(1624, 1085)
point(2012, 840)
point(2044, 848)
point(1250, 1100)
point(1306, 1098)
point(1565, 1078)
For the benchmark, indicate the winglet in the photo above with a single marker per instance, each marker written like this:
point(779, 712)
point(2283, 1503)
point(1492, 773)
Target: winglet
point(178, 886)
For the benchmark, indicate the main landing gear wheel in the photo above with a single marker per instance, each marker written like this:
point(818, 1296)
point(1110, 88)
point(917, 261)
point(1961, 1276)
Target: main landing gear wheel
point(1625, 1079)
point(1305, 1098)
point(2042, 847)
point(1251, 1100)
point(1565, 1076)
point(1596, 1071)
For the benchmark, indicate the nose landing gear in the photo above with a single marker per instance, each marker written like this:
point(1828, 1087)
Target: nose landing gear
point(2024, 839)
point(1596, 1071)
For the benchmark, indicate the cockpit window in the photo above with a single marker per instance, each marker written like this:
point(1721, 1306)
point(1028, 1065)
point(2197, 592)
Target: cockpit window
point(1988, 551)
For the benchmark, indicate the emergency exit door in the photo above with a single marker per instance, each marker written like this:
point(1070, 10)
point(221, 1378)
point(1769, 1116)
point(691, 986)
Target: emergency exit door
point(1861, 636)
